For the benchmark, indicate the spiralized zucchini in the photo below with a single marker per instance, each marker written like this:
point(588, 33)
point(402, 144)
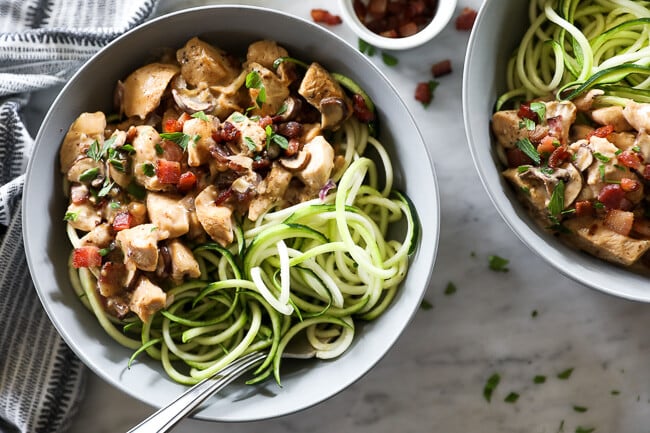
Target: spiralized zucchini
point(572, 46)
point(318, 267)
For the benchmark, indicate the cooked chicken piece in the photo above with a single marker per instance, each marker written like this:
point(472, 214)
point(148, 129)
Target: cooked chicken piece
point(642, 140)
point(270, 191)
point(251, 134)
point(112, 279)
point(198, 152)
point(196, 229)
point(637, 115)
point(85, 166)
point(121, 177)
point(586, 100)
point(144, 88)
point(145, 158)
point(508, 129)
point(147, 299)
point(265, 53)
point(622, 140)
point(531, 187)
point(560, 116)
point(183, 261)
point(579, 132)
point(582, 156)
point(86, 216)
point(100, 236)
point(322, 91)
point(232, 97)
point(203, 63)
point(87, 128)
point(611, 116)
point(319, 167)
point(276, 89)
point(216, 220)
point(168, 214)
point(140, 246)
point(594, 237)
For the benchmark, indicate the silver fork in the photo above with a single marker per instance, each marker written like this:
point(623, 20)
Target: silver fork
point(167, 417)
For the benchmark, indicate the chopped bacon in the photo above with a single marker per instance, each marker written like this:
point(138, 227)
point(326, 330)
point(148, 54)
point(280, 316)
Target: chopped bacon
point(516, 158)
point(265, 121)
point(465, 21)
point(168, 172)
point(325, 17)
point(620, 221)
point(86, 257)
point(525, 112)
point(187, 181)
point(171, 151)
point(601, 132)
point(223, 196)
point(612, 196)
point(584, 208)
point(423, 93)
point(646, 172)
point(558, 157)
point(79, 194)
point(392, 33)
point(441, 68)
point(359, 9)
point(629, 159)
point(361, 110)
point(227, 132)
point(547, 145)
point(122, 221)
point(406, 29)
point(172, 125)
point(630, 185)
point(555, 126)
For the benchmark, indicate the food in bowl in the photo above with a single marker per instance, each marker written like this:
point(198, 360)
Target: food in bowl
point(575, 143)
point(227, 206)
point(395, 18)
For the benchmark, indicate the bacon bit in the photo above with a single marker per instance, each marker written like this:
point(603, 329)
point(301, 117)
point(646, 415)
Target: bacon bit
point(86, 257)
point(377, 8)
point(226, 132)
point(619, 221)
point(525, 112)
point(441, 68)
point(361, 110)
point(325, 17)
point(168, 172)
point(642, 227)
point(78, 194)
point(293, 148)
point(265, 121)
point(407, 29)
point(223, 196)
point(516, 158)
point(555, 127)
point(172, 125)
point(646, 172)
point(171, 151)
point(423, 93)
point(187, 181)
point(558, 157)
point(359, 9)
point(612, 196)
point(130, 134)
point(584, 208)
point(465, 21)
point(601, 132)
point(630, 185)
point(630, 160)
point(547, 146)
point(122, 221)
point(392, 33)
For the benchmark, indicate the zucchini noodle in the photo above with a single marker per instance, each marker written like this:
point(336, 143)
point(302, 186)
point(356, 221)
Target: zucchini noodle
point(317, 267)
point(572, 46)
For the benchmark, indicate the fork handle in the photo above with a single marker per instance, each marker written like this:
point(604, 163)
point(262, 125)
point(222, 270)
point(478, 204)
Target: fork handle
point(167, 417)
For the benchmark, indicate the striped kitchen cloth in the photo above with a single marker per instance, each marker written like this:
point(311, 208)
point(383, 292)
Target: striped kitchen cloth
point(42, 42)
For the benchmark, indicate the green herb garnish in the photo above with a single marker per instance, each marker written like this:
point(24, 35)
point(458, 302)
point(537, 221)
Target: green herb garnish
point(584, 429)
point(615, 392)
point(115, 205)
point(511, 398)
point(523, 169)
point(149, 170)
point(498, 264)
point(159, 149)
point(366, 48)
point(283, 109)
point(388, 59)
point(117, 164)
point(450, 289)
point(490, 386)
point(250, 143)
point(89, 174)
point(602, 158)
point(426, 305)
point(238, 117)
point(254, 81)
point(527, 124)
point(130, 149)
point(105, 188)
point(564, 375)
point(529, 150)
point(136, 190)
point(580, 409)
point(601, 172)
point(70, 216)
point(177, 137)
point(636, 149)
point(539, 108)
point(201, 115)
point(556, 203)
point(539, 379)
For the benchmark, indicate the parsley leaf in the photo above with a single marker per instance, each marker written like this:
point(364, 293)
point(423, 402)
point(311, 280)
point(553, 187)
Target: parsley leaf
point(89, 174)
point(148, 170)
point(201, 115)
point(94, 151)
point(511, 398)
point(280, 141)
point(388, 59)
point(529, 150)
point(490, 386)
point(136, 190)
point(602, 158)
point(539, 379)
point(539, 108)
point(584, 429)
point(238, 117)
point(366, 48)
point(105, 188)
point(564, 375)
point(527, 124)
point(426, 305)
point(250, 143)
point(70, 216)
point(177, 137)
point(254, 81)
point(556, 203)
point(159, 149)
point(580, 409)
point(450, 289)
point(130, 149)
point(115, 205)
point(498, 264)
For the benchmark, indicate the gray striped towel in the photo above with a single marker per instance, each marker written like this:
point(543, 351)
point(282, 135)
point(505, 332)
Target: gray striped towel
point(42, 42)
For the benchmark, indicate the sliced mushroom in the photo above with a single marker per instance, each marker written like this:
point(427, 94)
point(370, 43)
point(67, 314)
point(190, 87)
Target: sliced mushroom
point(318, 85)
point(333, 112)
point(216, 220)
point(296, 163)
point(144, 88)
point(573, 185)
point(582, 155)
point(292, 107)
point(192, 100)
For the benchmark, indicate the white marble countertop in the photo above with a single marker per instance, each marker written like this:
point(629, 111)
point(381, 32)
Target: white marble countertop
point(529, 321)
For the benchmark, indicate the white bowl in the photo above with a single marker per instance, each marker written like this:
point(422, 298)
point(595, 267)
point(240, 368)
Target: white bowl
point(305, 383)
point(440, 19)
point(498, 29)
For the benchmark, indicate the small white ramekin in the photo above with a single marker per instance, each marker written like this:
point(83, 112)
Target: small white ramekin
point(443, 15)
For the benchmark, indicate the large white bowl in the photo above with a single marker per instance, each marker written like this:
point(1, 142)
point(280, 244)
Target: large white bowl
point(305, 383)
point(497, 31)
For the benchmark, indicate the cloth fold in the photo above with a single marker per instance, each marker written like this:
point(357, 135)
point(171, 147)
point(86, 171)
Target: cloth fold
point(42, 43)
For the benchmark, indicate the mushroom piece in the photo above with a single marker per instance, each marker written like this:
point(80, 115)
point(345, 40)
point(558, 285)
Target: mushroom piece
point(215, 219)
point(292, 107)
point(144, 88)
point(582, 155)
point(192, 100)
point(333, 112)
point(297, 162)
point(573, 185)
point(318, 85)
point(320, 165)
point(569, 174)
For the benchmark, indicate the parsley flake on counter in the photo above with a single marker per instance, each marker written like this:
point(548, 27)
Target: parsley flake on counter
point(490, 386)
point(511, 398)
point(426, 305)
point(498, 264)
point(564, 375)
point(366, 48)
point(615, 392)
point(585, 430)
point(450, 289)
point(580, 409)
point(533, 313)
point(388, 59)
point(539, 379)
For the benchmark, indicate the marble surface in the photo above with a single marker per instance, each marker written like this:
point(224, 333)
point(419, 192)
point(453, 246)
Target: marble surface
point(526, 322)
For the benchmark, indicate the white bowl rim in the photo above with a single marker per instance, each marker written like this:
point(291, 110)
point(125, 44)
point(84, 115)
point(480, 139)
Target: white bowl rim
point(443, 15)
point(561, 257)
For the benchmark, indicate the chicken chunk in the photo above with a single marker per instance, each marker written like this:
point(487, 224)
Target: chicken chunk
point(183, 261)
point(203, 63)
point(320, 165)
point(637, 115)
point(144, 88)
point(100, 236)
point(276, 90)
point(264, 52)
point(321, 90)
point(139, 245)
point(83, 216)
point(198, 152)
point(145, 158)
point(168, 214)
point(215, 219)
point(270, 191)
point(147, 299)
point(251, 134)
point(611, 116)
point(87, 128)
point(506, 126)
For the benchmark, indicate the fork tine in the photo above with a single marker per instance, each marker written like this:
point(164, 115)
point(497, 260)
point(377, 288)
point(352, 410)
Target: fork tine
point(167, 417)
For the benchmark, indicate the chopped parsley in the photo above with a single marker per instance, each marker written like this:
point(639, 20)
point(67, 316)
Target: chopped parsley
point(136, 190)
point(105, 188)
point(254, 81)
point(388, 59)
point(584, 429)
point(615, 392)
point(556, 203)
point(201, 115)
point(601, 172)
point(533, 313)
point(564, 375)
point(580, 409)
point(283, 109)
point(159, 149)
point(511, 398)
point(130, 149)
point(618, 152)
point(498, 264)
point(118, 164)
point(539, 108)
point(598, 205)
point(366, 48)
point(275, 138)
point(250, 143)
point(636, 149)
point(70, 216)
point(148, 170)
point(539, 379)
point(490, 386)
point(529, 150)
point(177, 137)
point(523, 169)
point(115, 205)
point(89, 174)
point(527, 123)
point(238, 117)
point(602, 158)
point(450, 289)
point(104, 251)
point(153, 229)
point(426, 305)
